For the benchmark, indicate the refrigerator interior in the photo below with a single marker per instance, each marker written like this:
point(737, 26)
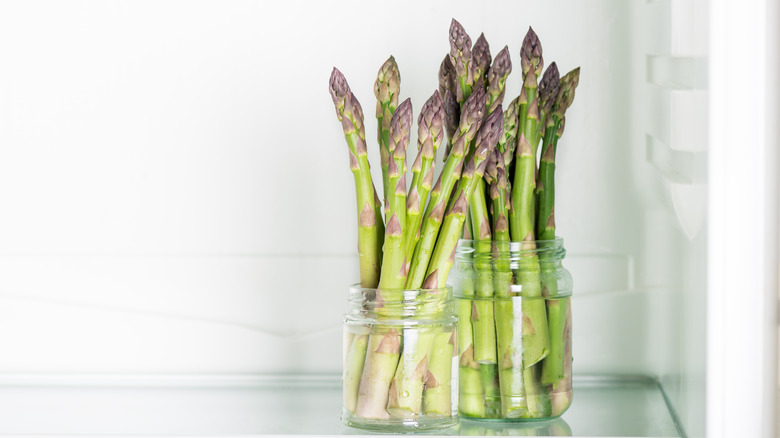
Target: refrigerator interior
point(178, 204)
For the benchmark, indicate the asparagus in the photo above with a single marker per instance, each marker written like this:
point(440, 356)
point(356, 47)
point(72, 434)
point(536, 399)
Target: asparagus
point(483, 349)
point(548, 93)
point(561, 395)
point(553, 370)
point(429, 137)
point(407, 385)
point(386, 90)
point(549, 97)
point(353, 368)
point(446, 244)
point(451, 118)
point(460, 55)
point(484, 327)
point(384, 345)
point(470, 122)
point(480, 54)
point(370, 224)
point(447, 89)
point(496, 79)
point(437, 392)
point(508, 142)
point(482, 312)
point(447, 79)
point(393, 275)
point(495, 176)
point(535, 337)
point(381, 359)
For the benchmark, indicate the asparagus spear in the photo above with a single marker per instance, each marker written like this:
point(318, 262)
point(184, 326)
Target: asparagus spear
point(548, 93)
point(444, 251)
point(482, 314)
point(429, 137)
point(447, 90)
point(553, 369)
point(531, 63)
point(393, 267)
point(381, 359)
point(496, 79)
point(535, 338)
point(384, 345)
point(451, 119)
point(353, 369)
point(561, 395)
point(370, 224)
point(447, 79)
point(508, 142)
point(460, 55)
point(407, 385)
point(470, 122)
point(386, 90)
point(480, 54)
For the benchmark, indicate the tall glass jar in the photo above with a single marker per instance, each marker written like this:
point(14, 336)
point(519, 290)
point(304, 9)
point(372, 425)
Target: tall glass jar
point(514, 306)
point(400, 360)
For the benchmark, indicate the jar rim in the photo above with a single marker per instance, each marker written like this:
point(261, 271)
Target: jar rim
point(468, 246)
point(400, 303)
point(356, 287)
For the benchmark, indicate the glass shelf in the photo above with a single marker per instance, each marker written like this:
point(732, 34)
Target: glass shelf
point(288, 405)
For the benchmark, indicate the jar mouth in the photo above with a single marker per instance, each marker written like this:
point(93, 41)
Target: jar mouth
point(400, 303)
point(469, 248)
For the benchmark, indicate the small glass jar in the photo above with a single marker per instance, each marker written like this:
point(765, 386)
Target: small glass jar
point(514, 306)
point(400, 359)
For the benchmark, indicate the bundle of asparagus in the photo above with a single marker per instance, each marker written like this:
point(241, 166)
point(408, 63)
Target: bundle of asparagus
point(390, 374)
point(514, 362)
point(491, 188)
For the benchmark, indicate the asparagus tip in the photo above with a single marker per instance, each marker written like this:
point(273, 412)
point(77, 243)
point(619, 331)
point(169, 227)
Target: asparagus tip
point(531, 53)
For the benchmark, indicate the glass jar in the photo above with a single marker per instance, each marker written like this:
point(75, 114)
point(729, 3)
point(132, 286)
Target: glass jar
point(513, 301)
point(400, 359)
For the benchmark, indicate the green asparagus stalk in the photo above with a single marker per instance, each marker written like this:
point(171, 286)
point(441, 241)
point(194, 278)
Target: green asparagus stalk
point(437, 386)
point(437, 392)
point(536, 341)
point(451, 120)
point(482, 315)
point(553, 369)
point(446, 244)
point(370, 224)
point(548, 94)
point(553, 130)
point(447, 90)
point(561, 395)
point(496, 79)
point(406, 389)
point(482, 310)
point(535, 338)
point(384, 345)
point(393, 273)
point(407, 385)
point(470, 122)
point(429, 137)
point(461, 57)
point(353, 369)
point(386, 89)
point(508, 142)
